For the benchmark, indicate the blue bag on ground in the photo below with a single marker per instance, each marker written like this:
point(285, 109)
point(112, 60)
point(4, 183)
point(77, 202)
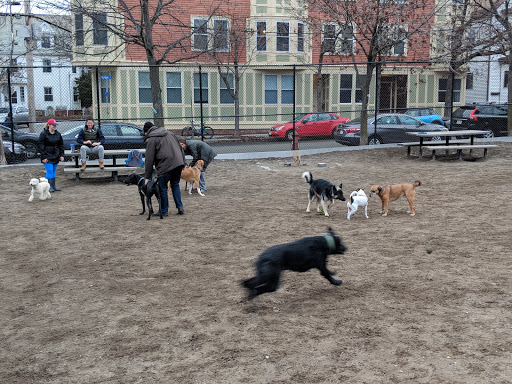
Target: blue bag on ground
point(135, 159)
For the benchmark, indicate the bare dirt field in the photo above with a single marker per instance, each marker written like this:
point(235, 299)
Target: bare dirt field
point(91, 292)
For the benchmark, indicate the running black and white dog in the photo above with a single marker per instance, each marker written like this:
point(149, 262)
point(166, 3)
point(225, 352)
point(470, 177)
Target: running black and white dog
point(323, 191)
point(146, 190)
point(300, 256)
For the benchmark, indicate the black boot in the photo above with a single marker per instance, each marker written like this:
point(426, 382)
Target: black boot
point(53, 188)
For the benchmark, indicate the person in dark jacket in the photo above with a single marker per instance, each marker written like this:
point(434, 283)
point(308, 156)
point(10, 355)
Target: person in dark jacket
point(51, 147)
point(92, 140)
point(199, 150)
point(163, 151)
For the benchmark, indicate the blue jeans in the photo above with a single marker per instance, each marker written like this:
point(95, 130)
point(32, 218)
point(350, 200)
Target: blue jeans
point(174, 177)
point(50, 170)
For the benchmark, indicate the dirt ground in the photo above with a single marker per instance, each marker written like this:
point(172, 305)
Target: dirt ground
point(91, 292)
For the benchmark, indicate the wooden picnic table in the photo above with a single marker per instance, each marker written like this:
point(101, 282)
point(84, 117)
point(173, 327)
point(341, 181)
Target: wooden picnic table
point(471, 133)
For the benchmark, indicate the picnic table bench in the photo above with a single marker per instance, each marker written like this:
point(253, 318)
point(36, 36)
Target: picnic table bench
point(411, 144)
point(459, 148)
point(111, 165)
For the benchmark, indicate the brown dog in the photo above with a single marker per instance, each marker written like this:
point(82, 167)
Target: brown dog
point(389, 193)
point(191, 175)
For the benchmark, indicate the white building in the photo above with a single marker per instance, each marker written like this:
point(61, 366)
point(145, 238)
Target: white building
point(54, 85)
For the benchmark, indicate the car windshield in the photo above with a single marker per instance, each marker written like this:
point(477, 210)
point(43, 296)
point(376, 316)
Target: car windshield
point(298, 117)
point(357, 120)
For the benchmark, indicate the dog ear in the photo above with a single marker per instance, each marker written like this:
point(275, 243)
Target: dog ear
point(380, 189)
point(341, 185)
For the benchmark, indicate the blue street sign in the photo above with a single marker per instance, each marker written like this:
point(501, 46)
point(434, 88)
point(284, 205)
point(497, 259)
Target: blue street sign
point(106, 77)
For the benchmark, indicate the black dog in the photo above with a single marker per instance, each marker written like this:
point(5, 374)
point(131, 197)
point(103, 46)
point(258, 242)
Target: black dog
point(323, 191)
point(299, 256)
point(148, 190)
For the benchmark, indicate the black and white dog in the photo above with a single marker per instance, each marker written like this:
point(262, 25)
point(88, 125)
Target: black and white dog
point(299, 256)
point(323, 191)
point(146, 190)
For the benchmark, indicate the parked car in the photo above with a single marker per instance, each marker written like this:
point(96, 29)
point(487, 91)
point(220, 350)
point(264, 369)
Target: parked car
point(487, 117)
point(19, 113)
point(117, 135)
point(29, 140)
point(427, 115)
point(308, 124)
point(390, 128)
point(14, 156)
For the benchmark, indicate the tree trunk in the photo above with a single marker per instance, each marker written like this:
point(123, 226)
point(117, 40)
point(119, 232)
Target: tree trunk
point(363, 138)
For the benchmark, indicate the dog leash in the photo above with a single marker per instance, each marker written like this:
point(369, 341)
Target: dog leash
point(330, 241)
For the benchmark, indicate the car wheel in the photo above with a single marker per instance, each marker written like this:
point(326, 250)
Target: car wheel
point(31, 149)
point(289, 135)
point(374, 140)
point(489, 135)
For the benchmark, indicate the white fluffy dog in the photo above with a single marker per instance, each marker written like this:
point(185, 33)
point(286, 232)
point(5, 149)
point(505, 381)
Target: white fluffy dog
point(40, 187)
point(357, 199)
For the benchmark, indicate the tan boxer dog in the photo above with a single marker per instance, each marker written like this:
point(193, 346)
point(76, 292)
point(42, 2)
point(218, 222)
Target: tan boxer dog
point(191, 175)
point(389, 193)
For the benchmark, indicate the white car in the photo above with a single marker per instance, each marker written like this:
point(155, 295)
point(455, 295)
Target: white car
point(19, 113)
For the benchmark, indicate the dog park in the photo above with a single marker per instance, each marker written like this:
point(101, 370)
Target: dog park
point(92, 292)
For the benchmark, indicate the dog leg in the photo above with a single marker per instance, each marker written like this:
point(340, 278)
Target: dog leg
point(366, 211)
point(199, 191)
point(143, 204)
point(158, 194)
point(309, 205)
point(31, 196)
point(190, 188)
point(385, 207)
point(150, 207)
point(328, 275)
point(324, 207)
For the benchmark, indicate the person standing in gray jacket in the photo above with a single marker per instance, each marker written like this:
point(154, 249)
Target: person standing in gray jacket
point(163, 151)
point(199, 150)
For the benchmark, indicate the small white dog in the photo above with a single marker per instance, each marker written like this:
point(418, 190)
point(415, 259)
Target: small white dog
point(40, 187)
point(357, 199)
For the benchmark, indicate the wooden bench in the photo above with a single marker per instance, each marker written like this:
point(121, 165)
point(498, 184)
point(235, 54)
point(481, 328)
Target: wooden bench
point(430, 143)
point(459, 148)
point(92, 169)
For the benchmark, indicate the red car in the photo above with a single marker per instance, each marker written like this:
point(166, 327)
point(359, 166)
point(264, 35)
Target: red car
point(308, 124)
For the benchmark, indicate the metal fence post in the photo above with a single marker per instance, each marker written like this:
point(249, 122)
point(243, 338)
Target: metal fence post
point(201, 102)
point(98, 99)
point(295, 140)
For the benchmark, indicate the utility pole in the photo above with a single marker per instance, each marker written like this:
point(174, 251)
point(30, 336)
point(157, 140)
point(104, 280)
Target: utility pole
point(29, 43)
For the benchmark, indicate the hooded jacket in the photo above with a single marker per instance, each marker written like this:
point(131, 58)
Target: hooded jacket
point(199, 150)
point(51, 146)
point(163, 150)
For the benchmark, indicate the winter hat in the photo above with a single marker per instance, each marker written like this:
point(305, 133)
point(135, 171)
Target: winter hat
point(52, 122)
point(147, 125)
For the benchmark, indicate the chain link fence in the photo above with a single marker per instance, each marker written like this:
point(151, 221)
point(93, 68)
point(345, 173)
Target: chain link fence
point(276, 105)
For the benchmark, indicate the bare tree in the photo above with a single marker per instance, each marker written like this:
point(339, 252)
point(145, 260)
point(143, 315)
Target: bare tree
point(158, 29)
point(368, 31)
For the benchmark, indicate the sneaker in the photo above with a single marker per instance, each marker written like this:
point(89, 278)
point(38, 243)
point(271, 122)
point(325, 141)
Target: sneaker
point(163, 214)
point(181, 211)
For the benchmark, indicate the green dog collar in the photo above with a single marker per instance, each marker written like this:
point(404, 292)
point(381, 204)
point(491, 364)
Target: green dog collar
point(330, 241)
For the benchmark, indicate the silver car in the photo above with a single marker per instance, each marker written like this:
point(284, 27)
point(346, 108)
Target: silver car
point(390, 128)
point(19, 114)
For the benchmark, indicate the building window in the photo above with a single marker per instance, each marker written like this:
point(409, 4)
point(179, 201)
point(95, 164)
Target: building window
point(329, 38)
point(399, 47)
point(347, 39)
point(361, 79)
point(270, 89)
point(99, 29)
point(14, 97)
point(198, 95)
point(505, 80)
point(286, 89)
point(345, 89)
point(441, 95)
point(79, 29)
point(46, 42)
point(145, 88)
point(22, 94)
point(105, 87)
point(200, 35)
point(261, 36)
point(220, 37)
point(173, 84)
point(225, 96)
point(47, 65)
point(76, 95)
point(283, 36)
point(300, 37)
point(48, 94)
point(469, 80)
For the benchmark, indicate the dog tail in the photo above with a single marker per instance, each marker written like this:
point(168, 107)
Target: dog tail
point(308, 177)
point(418, 183)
